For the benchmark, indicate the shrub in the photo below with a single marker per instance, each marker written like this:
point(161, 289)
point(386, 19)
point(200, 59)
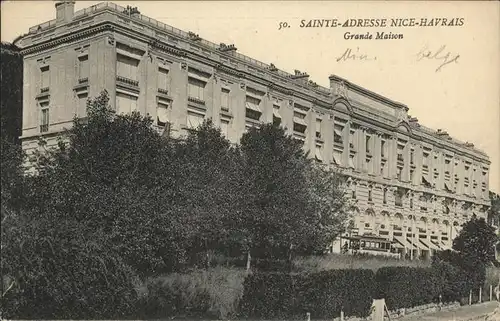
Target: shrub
point(270, 295)
point(326, 293)
point(323, 294)
point(360, 261)
point(404, 287)
point(210, 294)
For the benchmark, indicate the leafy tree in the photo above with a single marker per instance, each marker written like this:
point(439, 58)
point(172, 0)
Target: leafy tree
point(209, 189)
point(11, 104)
point(476, 242)
point(291, 205)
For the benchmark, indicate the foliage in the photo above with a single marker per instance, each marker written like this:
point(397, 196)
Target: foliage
point(11, 76)
point(476, 242)
point(454, 282)
point(212, 293)
point(323, 294)
point(326, 293)
point(63, 269)
point(290, 205)
point(359, 261)
point(115, 202)
point(405, 287)
point(272, 295)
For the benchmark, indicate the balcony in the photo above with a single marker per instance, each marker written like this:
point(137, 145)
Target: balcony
point(127, 81)
point(163, 91)
point(196, 101)
point(82, 81)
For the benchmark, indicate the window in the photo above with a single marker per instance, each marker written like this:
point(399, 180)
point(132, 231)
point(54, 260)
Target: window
point(125, 103)
point(399, 172)
point(351, 161)
point(299, 123)
point(354, 191)
point(385, 196)
point(337, 157)
point(196, 88)
point(83, 67)
point(224, 127)
point(163, 78)
point(126, 67)
point(412, 158)
point(370, 195)
point(82, 105)
point(412, 174)
point(425, 160)
point(337, 133)
point(194, 120)
point(224, 99)
point(318, 128)
point(411, 202)
point(44, 121)
point(368, 145)
point(399, 197)
point(382, 148)
point(45, 77)
point(319, 153)
point(276, 114)
point(162, 114)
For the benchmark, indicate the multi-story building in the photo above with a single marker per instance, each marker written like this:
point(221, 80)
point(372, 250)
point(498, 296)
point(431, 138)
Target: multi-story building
point(412, 184)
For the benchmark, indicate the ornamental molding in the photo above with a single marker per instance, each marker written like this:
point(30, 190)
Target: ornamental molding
point(68, 38)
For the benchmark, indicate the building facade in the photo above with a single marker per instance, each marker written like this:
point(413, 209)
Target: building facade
point(412, 184)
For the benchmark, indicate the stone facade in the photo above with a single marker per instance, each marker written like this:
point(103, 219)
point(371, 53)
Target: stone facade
point(411, 183)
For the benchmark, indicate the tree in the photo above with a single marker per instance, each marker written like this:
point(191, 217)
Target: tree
point(291, 205)
point(210, 192)
point(476, 242)
point(11, 76)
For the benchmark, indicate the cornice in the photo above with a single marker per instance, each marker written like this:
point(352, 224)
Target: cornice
point(68, 38)
point(369, 93)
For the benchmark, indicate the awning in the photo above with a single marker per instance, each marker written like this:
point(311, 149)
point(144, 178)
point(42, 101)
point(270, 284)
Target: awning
point(253, 106)
point(318, 153)
point(445, 247)
point(437, 245)
point(430, 245)
point(299, 120)
point(337, 157)
point(422, 245)
point(162, 113)
point(404, 242)
point(276, 113)
point(396, 245)
point(194, 120)
point(413, 242)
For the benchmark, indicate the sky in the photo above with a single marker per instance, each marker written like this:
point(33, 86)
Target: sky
point(462, 97)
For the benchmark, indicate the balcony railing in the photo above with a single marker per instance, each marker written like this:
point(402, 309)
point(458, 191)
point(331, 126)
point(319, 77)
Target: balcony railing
point(196, 100)
point(44, 90)
point(44, 128)
point(127, 81)
point(83, 80)
point(163, 91)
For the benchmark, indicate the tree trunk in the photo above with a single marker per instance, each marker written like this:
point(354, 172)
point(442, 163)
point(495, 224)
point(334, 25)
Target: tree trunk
point(248, 260)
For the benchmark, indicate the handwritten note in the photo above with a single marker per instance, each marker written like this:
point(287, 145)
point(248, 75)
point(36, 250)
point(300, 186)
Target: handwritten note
point(443, 56)
point(350, 54)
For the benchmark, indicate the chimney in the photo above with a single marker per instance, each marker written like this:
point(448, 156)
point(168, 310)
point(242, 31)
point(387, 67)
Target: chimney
point(64, 11)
